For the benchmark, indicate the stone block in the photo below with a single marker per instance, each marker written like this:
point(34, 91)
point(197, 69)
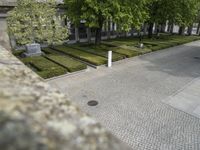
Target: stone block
point(33, 50)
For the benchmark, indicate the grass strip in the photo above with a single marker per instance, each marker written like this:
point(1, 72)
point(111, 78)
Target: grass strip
point(87, 57)
point(67, 62)
point(94, 49)
point(128, 53)
point(44, 67)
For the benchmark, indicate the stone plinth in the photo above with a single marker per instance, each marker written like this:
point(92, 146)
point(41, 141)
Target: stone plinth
point(33, 50)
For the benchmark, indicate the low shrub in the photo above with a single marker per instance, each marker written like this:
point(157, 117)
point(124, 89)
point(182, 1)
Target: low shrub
point(97, 50)
point(48, 51)
point(44, 67)
point(18, 53)
point(85, 56)
point(127, 52)
point(67, 62)
point(155, 43)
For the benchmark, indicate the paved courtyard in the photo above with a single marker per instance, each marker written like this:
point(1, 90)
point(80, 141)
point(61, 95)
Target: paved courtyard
point(136, 98)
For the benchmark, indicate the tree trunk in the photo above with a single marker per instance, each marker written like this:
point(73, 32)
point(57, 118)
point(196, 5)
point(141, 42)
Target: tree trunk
point(172, 28)
point(108, 29)
point(118, 34)
point(132, 32)
point(150, 30)
point(190, 30)
point(77, 38)
point(163, 26)
point(145, 28)
point(125, 34)
point(169, 27)
point(198, 28)
point(157, 30)
point(99, 30)
point(182, 30)
point(98, 35)
point(89, 35)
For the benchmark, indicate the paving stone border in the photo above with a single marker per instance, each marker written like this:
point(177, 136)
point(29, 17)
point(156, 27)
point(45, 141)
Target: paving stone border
point(34, 116)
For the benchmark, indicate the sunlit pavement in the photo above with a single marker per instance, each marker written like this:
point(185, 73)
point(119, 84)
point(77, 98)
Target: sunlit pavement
point(135, 98)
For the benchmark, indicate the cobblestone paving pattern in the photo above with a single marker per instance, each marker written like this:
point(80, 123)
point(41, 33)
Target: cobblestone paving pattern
point(130, 98)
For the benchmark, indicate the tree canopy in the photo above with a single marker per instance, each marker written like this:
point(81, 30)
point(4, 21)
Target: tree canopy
point(32, 21)
point(126, 13)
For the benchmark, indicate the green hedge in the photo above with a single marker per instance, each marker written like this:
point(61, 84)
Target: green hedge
point(48, 51)
point(167, 41)
point(44, 67)
point(67, 62)
point(87, 57)
point(97, 50)
point(128, 53)
point(18, 53)
point(154, 44)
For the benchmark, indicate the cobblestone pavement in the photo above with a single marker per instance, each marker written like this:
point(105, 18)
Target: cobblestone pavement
point(131, 96)
point(187, 99)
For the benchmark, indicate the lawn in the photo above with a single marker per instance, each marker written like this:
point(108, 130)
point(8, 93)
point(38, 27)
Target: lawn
point(153, 44)
point(84, 56)
point(97, 50)
point(67, 62)
point(102, 49)
point(44, 67)
point(127, 52)
point(64, 58)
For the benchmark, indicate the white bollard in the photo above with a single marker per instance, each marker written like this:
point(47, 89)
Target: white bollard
point(141, 45)
point(109, 59)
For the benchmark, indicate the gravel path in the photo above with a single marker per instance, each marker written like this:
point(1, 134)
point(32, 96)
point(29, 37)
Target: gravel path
point(131, 96)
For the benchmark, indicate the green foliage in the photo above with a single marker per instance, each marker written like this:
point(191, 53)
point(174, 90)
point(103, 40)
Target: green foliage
point(181, 12)
point(133, 13)
point(154, 44)
point(65, 61)
point(18, 53)
point(88, 57)
point(32, 21)
point(98, 50)
point(128, 53)
point(126, 13)
point(187, 12)
point(44, 67)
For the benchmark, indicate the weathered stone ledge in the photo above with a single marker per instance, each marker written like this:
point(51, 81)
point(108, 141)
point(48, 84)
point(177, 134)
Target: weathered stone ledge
point(34, 116)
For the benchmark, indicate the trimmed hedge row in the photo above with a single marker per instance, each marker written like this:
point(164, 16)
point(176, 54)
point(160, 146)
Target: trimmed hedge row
point(128, 53)
point(170, 41)
point(96, 50)
point(87, 57)
point(67, 62)
point(44, 67)
point(49, 51)
point(155, 44)
point(18, 53)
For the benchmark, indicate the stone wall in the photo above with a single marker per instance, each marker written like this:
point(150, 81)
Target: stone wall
point(4, 38)
point(34, 116)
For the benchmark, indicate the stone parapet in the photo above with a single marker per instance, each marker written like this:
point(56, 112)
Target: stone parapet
point(34, 116)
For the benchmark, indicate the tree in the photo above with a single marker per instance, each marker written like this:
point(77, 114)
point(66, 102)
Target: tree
point(198, 20)
point(74, 12)
point(187, 13)
point(32, 21)
point(96, 12)
point(161, 11)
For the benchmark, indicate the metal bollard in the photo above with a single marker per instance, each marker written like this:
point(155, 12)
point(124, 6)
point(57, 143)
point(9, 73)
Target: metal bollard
point(109, 59)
